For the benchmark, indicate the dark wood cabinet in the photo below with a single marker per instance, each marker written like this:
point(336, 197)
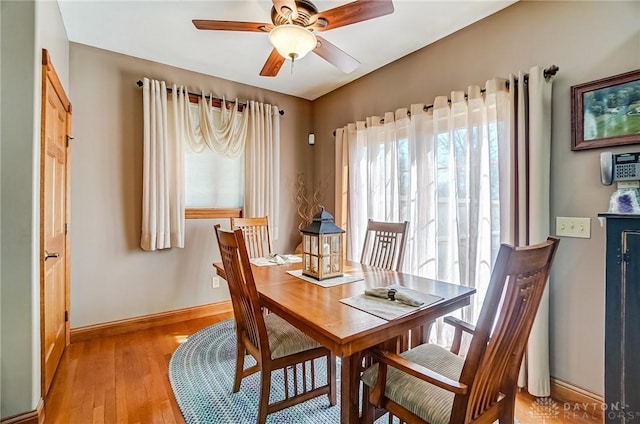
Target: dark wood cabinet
point(622, 319)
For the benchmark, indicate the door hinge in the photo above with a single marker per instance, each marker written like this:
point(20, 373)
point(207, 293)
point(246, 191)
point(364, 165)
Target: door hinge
point(66, 316)
point(69, 138)
point(66, 228)
point(626, 257)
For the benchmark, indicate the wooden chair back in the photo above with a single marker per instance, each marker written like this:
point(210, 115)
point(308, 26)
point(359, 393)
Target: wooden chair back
point(384, 244)
point(256, 235)
point(497, 347)
point(242, 289)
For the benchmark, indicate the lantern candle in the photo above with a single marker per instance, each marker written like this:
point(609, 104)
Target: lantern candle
point(326, 259)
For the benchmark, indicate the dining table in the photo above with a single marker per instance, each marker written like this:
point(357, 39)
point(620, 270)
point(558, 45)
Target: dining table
point(346, 330)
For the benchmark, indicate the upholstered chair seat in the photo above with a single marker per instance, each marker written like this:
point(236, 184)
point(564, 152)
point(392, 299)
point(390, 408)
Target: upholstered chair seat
point(285, 339)
point(429, 402)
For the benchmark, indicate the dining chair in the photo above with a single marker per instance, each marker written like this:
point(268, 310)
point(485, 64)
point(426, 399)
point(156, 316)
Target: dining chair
point(384, 244)
point(429, 384)
point(276, 345)
point(256, 235)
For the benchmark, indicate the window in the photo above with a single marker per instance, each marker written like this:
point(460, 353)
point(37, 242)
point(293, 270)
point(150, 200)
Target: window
point(439, 171)
point(214, 184)
point(212, 180)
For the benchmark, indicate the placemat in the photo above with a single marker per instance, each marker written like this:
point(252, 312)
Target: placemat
point(330, 282)
point(389, 309)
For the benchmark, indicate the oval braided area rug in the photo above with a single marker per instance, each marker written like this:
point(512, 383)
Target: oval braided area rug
point(201, 373)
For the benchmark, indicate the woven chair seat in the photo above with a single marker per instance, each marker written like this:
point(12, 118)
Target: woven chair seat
point(285, 339)
point(430, 402)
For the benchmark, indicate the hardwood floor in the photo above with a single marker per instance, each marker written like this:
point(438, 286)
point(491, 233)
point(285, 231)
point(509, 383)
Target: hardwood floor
point(123, 379)
point(531, 410)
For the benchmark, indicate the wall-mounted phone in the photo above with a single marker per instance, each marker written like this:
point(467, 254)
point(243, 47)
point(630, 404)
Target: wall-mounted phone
point(622, 167)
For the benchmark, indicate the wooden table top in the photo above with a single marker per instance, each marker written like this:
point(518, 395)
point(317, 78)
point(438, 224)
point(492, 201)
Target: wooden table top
point(318, 312)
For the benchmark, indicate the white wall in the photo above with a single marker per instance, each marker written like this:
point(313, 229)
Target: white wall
point(27, 27)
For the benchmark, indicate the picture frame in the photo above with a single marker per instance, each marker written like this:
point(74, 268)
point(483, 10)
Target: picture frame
point(606, 112)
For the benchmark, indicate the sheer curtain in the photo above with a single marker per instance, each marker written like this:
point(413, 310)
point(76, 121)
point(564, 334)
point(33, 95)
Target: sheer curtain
point(456, 171)
point(437, 168)
point(169, 126)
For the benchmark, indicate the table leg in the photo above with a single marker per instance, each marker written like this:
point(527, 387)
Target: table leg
point(349, 389)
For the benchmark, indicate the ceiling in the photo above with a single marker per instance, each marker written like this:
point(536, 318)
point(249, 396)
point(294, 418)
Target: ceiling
point(162, 31)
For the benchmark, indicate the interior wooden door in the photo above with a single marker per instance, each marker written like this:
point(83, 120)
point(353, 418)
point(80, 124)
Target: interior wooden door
point(54, 214)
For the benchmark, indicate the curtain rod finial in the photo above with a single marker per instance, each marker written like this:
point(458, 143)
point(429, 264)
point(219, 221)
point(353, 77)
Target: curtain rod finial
point(550, 71)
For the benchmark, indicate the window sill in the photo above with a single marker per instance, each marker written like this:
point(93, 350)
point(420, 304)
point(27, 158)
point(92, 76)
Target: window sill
point(212, 213)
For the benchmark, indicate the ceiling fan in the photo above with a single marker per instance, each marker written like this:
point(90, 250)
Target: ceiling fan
point(293, 27)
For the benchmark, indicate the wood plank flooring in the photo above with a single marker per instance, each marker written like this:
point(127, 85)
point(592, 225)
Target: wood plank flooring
point(123, 379)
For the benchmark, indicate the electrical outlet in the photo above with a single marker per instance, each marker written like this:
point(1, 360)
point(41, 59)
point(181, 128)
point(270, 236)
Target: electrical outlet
point(573, 227)
point(215, 282)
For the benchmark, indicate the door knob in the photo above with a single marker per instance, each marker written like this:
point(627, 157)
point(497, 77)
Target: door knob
point(48, 255)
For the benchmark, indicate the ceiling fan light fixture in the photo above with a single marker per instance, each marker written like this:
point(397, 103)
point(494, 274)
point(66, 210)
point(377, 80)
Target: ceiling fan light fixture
point(292, 41)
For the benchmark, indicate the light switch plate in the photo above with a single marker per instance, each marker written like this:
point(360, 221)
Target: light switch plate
point(573, 227)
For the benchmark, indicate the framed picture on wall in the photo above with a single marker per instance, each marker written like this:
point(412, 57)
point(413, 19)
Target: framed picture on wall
point(606, 112)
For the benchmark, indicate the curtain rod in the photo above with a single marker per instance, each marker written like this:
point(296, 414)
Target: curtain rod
point(139, 83)
point(547, 73)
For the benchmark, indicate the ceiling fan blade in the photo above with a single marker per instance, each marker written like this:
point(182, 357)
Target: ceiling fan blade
point(350, 13)
point(335, 56)
point(231, 25)
point(272, 65)
point(290, 8)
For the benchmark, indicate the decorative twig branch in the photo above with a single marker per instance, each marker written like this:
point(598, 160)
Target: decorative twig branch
point(306, 206)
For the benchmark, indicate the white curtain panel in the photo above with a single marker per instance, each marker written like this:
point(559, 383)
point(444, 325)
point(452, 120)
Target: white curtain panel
point(162, 191)
point(341, 212)
point(458, 173)
point(529, 207)
point(262, 164)
point(346, 139)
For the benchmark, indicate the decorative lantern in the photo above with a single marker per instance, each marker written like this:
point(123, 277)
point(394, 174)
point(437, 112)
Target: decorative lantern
point(322, 247)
